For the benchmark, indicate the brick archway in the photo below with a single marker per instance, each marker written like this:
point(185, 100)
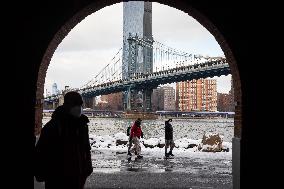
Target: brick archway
point(67, 27)
point(178, 4)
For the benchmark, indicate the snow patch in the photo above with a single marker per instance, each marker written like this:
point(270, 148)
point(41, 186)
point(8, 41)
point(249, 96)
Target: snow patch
point(121, 136)
point(151, 142)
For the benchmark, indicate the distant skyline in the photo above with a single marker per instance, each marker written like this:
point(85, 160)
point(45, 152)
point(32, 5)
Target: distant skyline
point(94, 41)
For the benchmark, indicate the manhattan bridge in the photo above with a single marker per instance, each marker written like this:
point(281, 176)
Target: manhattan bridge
point(169, 65)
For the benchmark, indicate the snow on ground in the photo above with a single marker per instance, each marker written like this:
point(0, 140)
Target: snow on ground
point(161, 140)
point(185, 142)
point(151, 142)
point(103, 141)
point(227, 145)
point(121, 136)
point(183, 128)
point(106, 144)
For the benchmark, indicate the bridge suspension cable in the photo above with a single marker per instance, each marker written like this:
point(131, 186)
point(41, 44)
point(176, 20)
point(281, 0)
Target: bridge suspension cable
point(164, 58)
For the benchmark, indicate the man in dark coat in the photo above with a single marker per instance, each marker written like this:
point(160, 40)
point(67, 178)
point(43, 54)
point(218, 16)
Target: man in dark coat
point(62, 156)
point(169, 142)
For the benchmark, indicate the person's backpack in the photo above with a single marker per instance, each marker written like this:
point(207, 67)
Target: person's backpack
point(128, 131)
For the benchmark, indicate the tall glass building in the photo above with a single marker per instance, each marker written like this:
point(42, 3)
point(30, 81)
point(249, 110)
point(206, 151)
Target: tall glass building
point(54, 89)
point(137, 21)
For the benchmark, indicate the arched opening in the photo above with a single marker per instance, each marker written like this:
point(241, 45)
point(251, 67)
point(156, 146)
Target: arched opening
point(96, 6)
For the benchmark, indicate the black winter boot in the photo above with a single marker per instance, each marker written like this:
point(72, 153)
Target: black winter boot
point(129, 153)
point(171, 153)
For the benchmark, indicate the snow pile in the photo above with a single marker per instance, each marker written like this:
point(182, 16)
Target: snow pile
point(103, 141)
point(227, 145)
point(151, 143)
point(186, 143)
point(161, 141)
point(121, 136)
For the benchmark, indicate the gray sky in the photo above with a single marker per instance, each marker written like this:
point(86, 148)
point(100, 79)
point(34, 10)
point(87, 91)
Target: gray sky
point(93, 42)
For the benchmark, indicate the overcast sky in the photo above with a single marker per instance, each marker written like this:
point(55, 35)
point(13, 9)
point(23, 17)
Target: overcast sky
point(94, 41)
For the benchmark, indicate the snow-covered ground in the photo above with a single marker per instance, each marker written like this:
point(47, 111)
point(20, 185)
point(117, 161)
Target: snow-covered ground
point(183, 128)
point(109, 142)
point(189, 128)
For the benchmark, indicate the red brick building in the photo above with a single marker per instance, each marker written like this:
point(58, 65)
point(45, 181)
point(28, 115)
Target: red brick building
point(197, 95)
point(112, 101)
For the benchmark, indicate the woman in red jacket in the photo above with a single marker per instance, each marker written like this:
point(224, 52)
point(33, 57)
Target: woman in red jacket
point(135, 135)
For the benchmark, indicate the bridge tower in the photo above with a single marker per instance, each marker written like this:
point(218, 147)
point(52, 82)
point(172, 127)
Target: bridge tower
point(137, 59)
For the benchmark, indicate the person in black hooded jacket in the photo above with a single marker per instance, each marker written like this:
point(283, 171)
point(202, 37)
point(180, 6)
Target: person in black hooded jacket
point(62, 154)
point(169, 142)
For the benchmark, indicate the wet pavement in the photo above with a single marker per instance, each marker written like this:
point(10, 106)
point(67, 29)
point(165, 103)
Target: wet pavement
point(112, 170)
point(157, 180)
point(186, 170)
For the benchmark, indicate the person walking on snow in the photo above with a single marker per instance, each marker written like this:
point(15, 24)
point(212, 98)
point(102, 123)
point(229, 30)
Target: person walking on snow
point(135, 135)
point(169, 142)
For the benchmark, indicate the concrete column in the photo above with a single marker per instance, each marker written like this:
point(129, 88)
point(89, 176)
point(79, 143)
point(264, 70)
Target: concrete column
point(147, 101)
point(128, 99)
point(38, 115)
point(236, 162)
point(53, 105)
